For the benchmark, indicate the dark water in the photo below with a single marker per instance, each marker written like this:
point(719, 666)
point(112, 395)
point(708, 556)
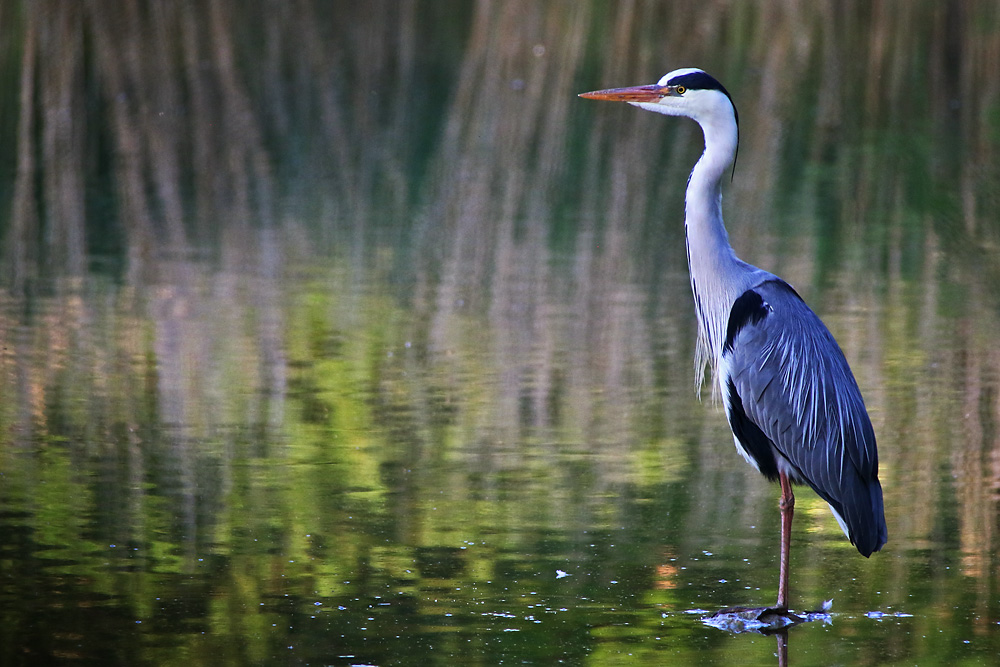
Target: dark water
point(349, 335)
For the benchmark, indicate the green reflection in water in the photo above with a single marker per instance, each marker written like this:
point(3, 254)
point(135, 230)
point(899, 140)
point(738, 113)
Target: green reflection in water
point(376, 348)
point(377, 520)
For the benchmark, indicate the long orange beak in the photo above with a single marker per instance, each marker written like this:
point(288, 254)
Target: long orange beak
point(633, 94)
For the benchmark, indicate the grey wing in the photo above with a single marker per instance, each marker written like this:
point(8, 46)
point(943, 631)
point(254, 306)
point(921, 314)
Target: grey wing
point(794, 405)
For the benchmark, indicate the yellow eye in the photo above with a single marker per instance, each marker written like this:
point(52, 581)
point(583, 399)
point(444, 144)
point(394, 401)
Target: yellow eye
point(680, 90)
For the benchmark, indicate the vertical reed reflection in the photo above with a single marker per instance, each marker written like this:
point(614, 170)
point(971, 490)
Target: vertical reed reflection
point(393, 225)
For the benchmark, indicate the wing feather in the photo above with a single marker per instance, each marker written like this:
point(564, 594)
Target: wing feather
point(794, 384)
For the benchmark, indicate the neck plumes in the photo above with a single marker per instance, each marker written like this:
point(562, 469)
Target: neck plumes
point(713, 266)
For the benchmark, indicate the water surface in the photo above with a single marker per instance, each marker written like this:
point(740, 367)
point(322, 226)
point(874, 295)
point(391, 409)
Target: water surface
point(343, 335)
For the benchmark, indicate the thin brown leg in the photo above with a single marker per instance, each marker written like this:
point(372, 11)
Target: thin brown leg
point(787, 505)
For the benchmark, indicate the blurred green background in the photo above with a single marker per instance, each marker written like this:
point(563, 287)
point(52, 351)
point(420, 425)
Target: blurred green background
point(345, 333)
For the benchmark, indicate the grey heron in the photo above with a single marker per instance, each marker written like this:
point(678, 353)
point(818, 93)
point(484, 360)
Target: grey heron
point(793, 404)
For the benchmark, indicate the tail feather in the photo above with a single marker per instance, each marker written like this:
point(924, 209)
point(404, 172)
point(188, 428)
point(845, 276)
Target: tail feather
point(861, 515)
point(864, 514)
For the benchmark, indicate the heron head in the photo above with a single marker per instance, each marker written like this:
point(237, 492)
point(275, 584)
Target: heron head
point(684, 92)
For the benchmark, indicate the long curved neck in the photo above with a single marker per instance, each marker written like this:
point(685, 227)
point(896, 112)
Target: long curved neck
point(706, 233)
point(716, 273)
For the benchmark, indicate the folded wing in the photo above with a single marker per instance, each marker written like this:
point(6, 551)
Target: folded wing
point(794, 405)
